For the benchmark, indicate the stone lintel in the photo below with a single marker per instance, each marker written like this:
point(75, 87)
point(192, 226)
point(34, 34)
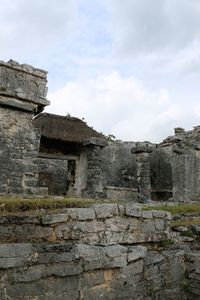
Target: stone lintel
point(93, 141)
point(12, 102)
point(143, 147)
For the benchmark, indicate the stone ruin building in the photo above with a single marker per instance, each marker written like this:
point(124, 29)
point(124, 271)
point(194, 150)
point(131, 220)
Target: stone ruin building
point(46, 154)
point(111, 250)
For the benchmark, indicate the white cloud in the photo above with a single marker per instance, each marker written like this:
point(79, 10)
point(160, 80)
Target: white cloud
point(145, 26)
point(121, 106)
point(33, 26)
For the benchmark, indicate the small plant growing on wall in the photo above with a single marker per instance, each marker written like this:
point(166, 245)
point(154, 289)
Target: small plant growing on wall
point(111, 138)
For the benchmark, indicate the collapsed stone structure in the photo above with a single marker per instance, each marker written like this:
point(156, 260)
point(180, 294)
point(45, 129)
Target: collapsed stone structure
point(57, 155)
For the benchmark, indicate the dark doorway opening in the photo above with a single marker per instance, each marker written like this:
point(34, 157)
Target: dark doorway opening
point(161, 176)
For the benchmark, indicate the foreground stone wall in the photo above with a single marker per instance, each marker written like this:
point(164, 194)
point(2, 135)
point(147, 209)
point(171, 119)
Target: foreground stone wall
point(71, 271)
point(102, 252)
point(102, 224)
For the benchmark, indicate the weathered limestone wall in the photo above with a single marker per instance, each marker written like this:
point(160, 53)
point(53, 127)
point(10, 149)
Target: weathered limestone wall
point(19, 144)
point(93, 253)
point(183, 153)
point(101, 224)
point(113, 168)
point(22, 94)
point(161, 175)
point(79, 271)
point(193, 275)
point(22, 86)
point(53, 175)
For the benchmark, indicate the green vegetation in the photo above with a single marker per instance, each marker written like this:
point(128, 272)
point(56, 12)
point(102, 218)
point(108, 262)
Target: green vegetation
point(167, 243)
point(187, 222)
point(188, 233)
point(182, 208)
point(12, 204)
point(111, 138)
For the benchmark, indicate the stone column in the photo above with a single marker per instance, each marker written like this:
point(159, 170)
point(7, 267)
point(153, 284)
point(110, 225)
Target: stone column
point(95, 186)
point(142, 150)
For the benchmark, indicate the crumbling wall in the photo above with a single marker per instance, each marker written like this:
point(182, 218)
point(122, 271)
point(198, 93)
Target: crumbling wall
point(113, 168)
point(102, 252)
point(119, 165)
point(22, 94)
point(19, 144)
point(183, 151)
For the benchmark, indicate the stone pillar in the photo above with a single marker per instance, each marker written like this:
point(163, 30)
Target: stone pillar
point(142, 150)
point(22, 95)
point(95, 186)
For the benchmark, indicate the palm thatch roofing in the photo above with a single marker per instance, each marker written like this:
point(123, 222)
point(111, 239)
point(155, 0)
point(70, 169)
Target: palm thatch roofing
point(64, 128)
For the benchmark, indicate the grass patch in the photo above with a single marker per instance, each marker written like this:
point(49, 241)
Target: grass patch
point(11, 204)
point(182, 208)
point(185, 222)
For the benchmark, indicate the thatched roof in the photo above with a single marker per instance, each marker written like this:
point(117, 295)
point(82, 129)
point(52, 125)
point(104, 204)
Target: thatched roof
point(67, 129)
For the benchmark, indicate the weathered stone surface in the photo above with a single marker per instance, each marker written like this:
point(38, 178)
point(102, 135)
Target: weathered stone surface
point(81, 214)
point(196, 229)
point(22, 82)
point(110, 226)
point(136, 252)
point(105, 210)
point(133, 210)
point(67, 271)
point(55, 218)
point(147, 214)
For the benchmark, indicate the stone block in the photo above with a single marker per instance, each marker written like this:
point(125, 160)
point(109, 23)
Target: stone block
point(160, 225)
point(153, 258)
point(32, 273)
point(55, 218)
point(81, 214)
point(131, 270)
point(136, 252)
point(147, 214)
point(133, 210)
point(63, 231)
point(104, 211)
point(161, 214)
point(148, 225)
point(15, 250)
point(64, 269)
point(90, 279)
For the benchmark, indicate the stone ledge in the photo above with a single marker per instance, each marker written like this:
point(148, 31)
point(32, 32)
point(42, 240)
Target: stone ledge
point(102, 224)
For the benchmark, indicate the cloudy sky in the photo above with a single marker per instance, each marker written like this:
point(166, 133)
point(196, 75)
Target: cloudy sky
point(129, 68)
